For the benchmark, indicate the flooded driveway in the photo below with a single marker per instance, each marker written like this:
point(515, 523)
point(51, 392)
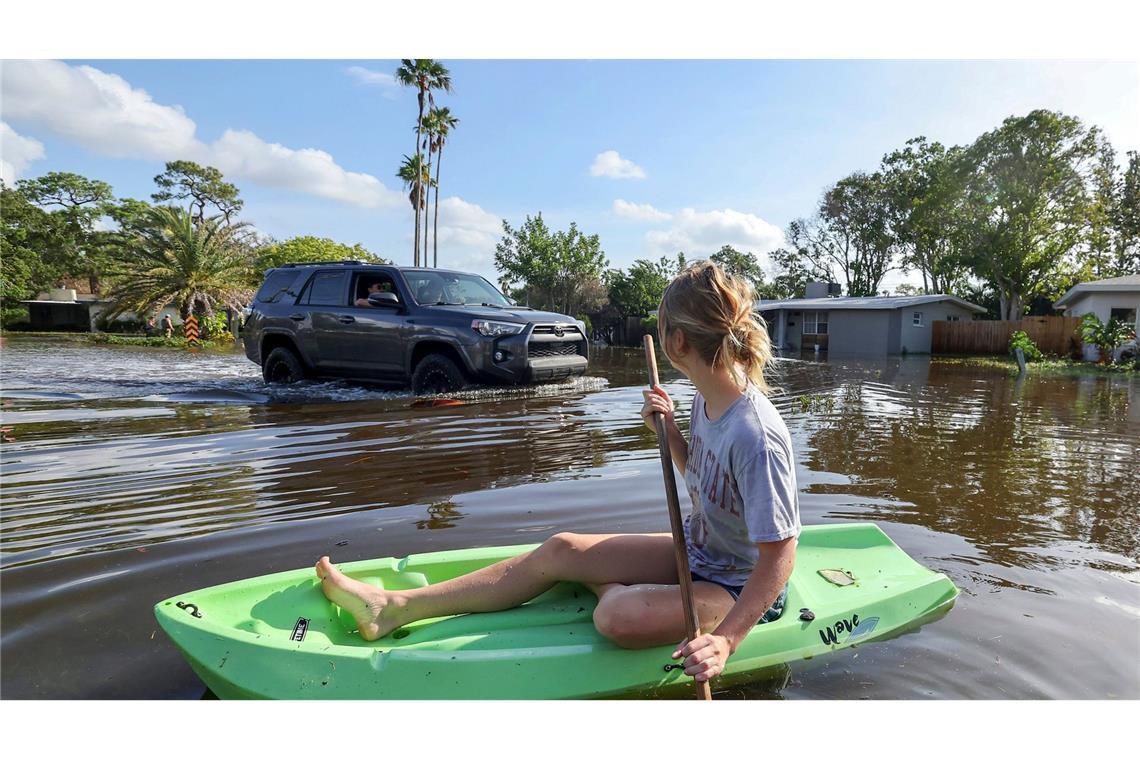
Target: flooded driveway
point(131, 475)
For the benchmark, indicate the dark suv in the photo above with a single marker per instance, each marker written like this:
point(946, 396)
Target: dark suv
point(434, 329)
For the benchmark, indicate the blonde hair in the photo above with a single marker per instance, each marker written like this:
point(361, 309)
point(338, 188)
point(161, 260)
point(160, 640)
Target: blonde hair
point(715, 311)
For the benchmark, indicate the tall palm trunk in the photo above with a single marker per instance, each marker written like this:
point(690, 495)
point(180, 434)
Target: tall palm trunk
point(435, 233)
point(419, 183)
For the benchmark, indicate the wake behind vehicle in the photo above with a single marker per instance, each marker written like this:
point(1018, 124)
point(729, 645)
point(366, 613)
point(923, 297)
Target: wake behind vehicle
point(433, 329)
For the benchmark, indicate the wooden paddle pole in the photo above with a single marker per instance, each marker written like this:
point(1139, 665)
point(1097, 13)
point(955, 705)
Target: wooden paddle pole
point(680, 553)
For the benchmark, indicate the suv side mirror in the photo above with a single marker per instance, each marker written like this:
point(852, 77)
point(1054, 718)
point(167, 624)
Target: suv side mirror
point(383, 299)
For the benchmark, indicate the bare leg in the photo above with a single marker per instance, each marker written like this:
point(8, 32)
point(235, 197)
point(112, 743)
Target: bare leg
point(646, 615)
point(623, 559)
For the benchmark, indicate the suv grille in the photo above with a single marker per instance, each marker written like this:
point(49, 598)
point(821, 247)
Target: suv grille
point(556, 340)
point(540, 350)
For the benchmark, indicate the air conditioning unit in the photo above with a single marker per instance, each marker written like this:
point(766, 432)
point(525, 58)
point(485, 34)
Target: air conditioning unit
point(833, 289)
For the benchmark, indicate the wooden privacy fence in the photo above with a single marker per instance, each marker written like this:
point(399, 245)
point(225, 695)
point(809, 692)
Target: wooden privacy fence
point(1053, 335)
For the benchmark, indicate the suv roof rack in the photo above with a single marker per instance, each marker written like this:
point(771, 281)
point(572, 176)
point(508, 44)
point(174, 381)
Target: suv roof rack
point(322, 263)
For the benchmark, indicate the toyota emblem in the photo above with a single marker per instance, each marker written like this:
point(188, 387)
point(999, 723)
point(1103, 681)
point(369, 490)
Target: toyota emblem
point(558, 331)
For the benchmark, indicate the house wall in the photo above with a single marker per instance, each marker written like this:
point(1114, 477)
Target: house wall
point(1102, 305)
point(858, 332)
point(916, 340)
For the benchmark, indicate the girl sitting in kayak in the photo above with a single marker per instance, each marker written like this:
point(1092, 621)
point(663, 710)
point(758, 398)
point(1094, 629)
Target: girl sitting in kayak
point(741, 535)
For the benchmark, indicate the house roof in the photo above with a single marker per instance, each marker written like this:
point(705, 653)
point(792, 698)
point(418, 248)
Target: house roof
point(1129, 282)
point(864, 302)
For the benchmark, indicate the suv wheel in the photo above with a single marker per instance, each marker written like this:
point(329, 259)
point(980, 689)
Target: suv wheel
point(283, 366)
point(437, 374)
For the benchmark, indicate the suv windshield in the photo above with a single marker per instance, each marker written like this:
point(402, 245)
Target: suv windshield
point(453, 288)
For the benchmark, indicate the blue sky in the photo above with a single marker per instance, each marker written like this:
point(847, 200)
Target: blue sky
point(700, 153)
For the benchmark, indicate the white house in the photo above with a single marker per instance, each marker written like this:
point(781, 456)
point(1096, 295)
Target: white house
point(1117, 297)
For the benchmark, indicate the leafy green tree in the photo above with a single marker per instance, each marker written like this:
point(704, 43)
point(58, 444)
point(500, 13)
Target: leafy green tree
point(426, 75)
point(308, 248)
point(638, 292)
point(29, 234)
point(439, 123)
point(1127, 218)
point(740, 264)
point(923, 188)
point(1025, 205)
point(172, 258)
point(202, 185)
point(75, 203)
point(559, 270)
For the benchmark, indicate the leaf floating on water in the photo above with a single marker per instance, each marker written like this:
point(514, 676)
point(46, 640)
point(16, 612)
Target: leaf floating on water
point(838, 577)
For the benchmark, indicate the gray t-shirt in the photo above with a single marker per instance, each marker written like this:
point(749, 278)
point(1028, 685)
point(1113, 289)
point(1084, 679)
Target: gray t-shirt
point(741, 477)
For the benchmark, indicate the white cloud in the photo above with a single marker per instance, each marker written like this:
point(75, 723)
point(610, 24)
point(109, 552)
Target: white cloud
point(466, 224)
point(640, 212)
point(242, 154)
point(16, 152)
point(387, 83)
point(610, 164)
point(702, 233)
point(105, 114)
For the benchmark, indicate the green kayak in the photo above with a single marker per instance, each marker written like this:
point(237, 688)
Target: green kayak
point(277, 636)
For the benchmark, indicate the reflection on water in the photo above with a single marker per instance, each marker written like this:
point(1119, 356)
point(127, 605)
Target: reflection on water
point(132, 475)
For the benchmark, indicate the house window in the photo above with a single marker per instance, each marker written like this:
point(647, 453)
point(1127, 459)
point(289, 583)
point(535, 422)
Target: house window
point(951, 317)
point(1127, 316)
point(917, 319)
point(815, 323)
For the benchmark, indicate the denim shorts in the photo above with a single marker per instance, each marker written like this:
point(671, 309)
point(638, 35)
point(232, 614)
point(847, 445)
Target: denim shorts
point(773, 612)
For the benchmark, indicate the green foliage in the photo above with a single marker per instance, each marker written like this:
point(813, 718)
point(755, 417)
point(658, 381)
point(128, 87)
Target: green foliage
point(560, 271)
point(740, 264)
point(198, 265)
point(589, 324)
point(1020, 340)
point(1025, 205)
point(649, 325)
point(104, 339)
point(307, 248)
point(216, 327)
point(1105, 336)
point(638, 292)
point(202, 185)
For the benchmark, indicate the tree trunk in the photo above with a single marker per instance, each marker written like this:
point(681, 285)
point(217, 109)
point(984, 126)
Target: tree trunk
point(435, 233)
point(419, 182)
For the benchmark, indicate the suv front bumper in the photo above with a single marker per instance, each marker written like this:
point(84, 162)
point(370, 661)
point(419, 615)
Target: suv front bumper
point(531, 357)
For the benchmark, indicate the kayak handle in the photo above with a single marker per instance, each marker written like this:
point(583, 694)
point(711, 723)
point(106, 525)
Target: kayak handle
point(193, 608)
point(674, 666)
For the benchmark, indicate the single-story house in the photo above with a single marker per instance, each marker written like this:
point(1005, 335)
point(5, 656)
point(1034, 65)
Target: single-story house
point(869, 326)
point(65, 309)
point(1116, 297)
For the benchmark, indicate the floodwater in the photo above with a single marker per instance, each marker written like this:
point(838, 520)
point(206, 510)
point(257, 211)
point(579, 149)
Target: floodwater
point(132, 475)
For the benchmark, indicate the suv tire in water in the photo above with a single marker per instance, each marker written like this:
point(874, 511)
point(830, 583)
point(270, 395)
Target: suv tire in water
point(437, 374)
point(283, 366)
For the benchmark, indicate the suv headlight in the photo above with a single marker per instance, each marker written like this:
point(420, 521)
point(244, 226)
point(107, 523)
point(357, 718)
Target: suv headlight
point(491, 328)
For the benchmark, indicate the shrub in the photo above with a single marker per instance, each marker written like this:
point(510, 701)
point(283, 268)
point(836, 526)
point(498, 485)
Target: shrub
point(1020, 340)
point(649, 324)
point(217, 328)
point(589, 326)
point(1104, 336)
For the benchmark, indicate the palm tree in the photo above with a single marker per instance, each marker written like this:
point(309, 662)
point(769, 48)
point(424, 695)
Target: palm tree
point(171, 258)
point(425, 74)
point(439, 122)
point(416, 176)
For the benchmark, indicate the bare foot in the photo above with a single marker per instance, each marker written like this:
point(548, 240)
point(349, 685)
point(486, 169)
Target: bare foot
point(368, 605)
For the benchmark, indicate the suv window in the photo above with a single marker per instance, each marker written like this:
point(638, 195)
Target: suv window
point(365, 280)
point(275, 284)
point(327, 289)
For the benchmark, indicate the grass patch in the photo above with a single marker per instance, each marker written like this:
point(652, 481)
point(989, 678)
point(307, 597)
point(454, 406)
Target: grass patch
point(1046, 366)
point(111, 339)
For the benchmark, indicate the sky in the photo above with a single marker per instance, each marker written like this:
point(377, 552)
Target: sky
point(655, 157)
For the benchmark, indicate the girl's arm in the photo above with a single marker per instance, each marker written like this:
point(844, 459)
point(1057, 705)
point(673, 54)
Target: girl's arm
point(657, 400)
point(706, 655)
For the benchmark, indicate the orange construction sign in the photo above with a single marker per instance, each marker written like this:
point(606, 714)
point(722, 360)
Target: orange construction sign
point(190, 329)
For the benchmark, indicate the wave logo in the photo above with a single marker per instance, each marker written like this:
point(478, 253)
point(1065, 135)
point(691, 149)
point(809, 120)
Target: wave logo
point(853, 627)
